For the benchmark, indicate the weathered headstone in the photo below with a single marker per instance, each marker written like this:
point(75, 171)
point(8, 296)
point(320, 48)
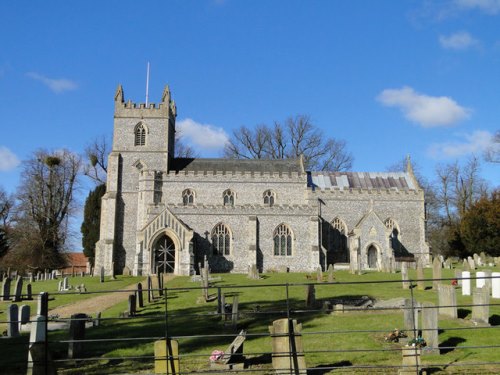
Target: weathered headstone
point(126, 271)
point(331, 278)
point(65, 283)
point(466, 265)
point(410, 316)
point(447, 301)
point(234, 312)
point(481, 306)
point(476, 259)
point(132, 305)
point(411, 363)
point(487, 279)
point(43, 304)
point(6, 289)
point(495, 285)
point(480, 280)
point(31, 279)
point(150, 290)
point(466, 283)
point(29, 292)
point(13, 322)
point(101, 275)
point(458, 276)
point(472, 264)
point(39, 359)
point(140, 298)
point(404, 275)
point(60, 286)
point(430, 331)
point(310, 296)
point(286, 334)
point(420, 276)
point(24, 314)
point(166, 357)
point(319, 275)
point(76, 334)
point(436, 273)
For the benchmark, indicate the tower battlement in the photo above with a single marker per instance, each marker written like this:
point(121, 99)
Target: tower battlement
point(165, 109)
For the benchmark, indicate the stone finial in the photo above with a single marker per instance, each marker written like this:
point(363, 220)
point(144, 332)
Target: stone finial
point(119, 94)
point(165, 97)
point(173, 108)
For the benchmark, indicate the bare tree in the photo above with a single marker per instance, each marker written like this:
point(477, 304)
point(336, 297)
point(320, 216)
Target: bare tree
point(492, 153)
point(97, 153)
point(182, 150)
point(6, 204)
point(46, 202)
point(295, 137)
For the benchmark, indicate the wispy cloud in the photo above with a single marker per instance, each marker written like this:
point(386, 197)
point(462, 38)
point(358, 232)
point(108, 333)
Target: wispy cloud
point(470, 143)
point(206, 136)
point(486, 6)
point(57, 85)
point(427, 111)
point(460, 41)
point(8, 160)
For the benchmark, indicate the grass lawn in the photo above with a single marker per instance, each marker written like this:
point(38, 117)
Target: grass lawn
point(337, 340)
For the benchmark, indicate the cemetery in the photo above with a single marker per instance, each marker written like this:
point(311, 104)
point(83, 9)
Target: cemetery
point(442, 319)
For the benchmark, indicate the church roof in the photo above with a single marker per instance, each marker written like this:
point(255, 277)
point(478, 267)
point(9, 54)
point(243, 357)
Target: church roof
point(236, 165)
point(360, 180)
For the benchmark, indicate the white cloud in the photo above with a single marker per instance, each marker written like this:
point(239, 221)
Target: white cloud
point(8, 160)
point(427, 111)
point(56, 85)
point(474, 143)
point(458, 41)
point(205, 136)
point(487, 6)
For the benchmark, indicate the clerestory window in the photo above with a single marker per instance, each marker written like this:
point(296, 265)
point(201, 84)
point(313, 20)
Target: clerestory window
point(228, 198)
point(188, 197)
point(269, 198)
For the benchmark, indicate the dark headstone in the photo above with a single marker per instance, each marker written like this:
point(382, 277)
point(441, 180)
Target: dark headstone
point(43, 304)
point(6, 289)
point(140, 299)
point(24, 314)
point(102, 275)
point(29, 292)
point(13, 322)
point(132, 305)
point(76, 333)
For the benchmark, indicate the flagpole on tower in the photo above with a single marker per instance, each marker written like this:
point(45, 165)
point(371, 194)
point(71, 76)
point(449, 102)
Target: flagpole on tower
point(147, 85)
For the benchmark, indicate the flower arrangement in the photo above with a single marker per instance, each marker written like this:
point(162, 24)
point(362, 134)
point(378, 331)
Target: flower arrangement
point(216, 355)
point(418, 342)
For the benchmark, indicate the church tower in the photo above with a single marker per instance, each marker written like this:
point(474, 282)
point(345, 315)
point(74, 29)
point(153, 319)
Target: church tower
point(143, 146)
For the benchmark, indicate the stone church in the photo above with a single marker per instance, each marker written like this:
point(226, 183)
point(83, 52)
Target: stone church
point(167, 214)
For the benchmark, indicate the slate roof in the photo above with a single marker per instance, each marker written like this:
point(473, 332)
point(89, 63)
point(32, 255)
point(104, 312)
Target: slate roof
point(360, 180)
point(236, 165)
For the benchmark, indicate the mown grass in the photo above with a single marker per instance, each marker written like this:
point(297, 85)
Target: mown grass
point(340, 342)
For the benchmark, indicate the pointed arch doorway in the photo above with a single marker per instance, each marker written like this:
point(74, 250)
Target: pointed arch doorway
point(372, 257)
point(164, 254)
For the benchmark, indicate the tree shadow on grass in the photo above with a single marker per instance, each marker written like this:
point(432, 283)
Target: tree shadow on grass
point(463, 313)
point(495, 320)
point(325, 369)
point(450, 344)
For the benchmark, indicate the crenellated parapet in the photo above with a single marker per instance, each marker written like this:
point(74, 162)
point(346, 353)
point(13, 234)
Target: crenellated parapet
point(165, 109)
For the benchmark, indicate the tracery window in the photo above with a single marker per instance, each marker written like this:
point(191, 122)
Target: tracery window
point(140, 135)
point(282, 240)
point(228, 197)
point(188, 197)
point(221, 240)
point(269, 198)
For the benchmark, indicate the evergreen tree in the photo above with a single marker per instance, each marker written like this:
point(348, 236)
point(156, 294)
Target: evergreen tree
point(91, 221)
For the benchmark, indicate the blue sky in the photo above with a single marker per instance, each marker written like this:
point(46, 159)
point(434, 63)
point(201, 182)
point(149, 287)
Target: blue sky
point(391, 78)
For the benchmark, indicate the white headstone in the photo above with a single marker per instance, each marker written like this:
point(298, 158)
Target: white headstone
point(480, 280)
point(466, 283)
point(495, 284)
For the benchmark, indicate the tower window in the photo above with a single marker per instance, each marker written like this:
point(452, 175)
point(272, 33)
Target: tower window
point(140, 135)
point(188, 197)
point(228, 198)
point(269, 198)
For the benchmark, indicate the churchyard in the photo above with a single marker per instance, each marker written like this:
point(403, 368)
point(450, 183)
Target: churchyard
point(346, 323)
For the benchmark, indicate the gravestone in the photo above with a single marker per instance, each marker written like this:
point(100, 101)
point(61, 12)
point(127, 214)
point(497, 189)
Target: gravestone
point(43, 304)
point(160, 283)
point(420, 276)
point(286, 334)
point(65, 283)
point(13, 322)
point(126, 271)
point(466, 265)
point(60, 286)
point(97, 320)
point(487, 279)
point(436, 273)
point(223, 306)
point(430, 330)
point(113, 274)
point(310, 296)
point(447, 264)
point(101, 276)
point(458, 276)
point(232, 354)
point(24, 315)
point(480, 280)
point(466, 283)
point(447, 301)
point(39, 359)
point(319, 275)
point(411, 363)
point(234, 312)
point(150, 290)
point(29, 292)
point(410, 316)
point(253, 272)
point(331, 278)
point(132, 304)
point(481, 306)
point(140, 298)
point(166, 357)
point(6, 289)
point(472, 264)
point(495, 285)
point(32, 279)
point(404, 275)
point(76, 333)
point(476, 259)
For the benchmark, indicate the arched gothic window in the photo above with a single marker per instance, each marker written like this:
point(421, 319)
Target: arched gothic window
point(228, 197)
point(335, 237)
point(140, 135)
point(221, 240)
point(283, 240)
point(188, 197)
point(269, 198)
